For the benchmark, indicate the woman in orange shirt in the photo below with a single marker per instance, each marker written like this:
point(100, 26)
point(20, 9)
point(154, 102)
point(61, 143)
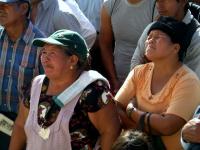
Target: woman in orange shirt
point(165, 91)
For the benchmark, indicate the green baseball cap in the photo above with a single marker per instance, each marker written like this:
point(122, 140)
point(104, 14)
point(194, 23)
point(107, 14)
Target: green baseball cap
point(66, 38)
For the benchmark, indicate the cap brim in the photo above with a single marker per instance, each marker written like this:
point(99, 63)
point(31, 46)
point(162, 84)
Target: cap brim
point(40, 42)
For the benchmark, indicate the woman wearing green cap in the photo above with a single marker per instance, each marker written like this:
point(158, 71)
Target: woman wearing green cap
point(164, 91)
point(69, 108)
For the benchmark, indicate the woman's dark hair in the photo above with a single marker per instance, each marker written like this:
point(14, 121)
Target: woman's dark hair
point(82, 65)
point(132, 140)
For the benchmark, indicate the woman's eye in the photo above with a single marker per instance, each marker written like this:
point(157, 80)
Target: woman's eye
point(43, 52)
point(52, 54)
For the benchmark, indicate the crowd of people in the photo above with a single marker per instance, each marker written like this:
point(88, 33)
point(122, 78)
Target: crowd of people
point(99, 74)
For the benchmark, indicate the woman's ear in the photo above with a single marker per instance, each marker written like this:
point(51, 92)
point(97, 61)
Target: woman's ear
point(74, 60)
point(177, 47)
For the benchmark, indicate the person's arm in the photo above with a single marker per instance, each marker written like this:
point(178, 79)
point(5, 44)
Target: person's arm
point(106, 38)
point(124, 96)
point(160, 124)
point(102, 112)
point(126, 121)
point(127, 91)
point(191, 130)
point(18, 138)
point(183, 102)
point(138, 55)
point(107, 123)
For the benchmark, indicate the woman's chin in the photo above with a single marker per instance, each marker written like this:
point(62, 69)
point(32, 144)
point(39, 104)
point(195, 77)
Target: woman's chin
point(48, 72)
point(148, 56)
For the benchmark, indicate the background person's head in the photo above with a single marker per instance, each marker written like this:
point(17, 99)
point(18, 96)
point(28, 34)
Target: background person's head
point(166, 39)
point(63, 51)
point(132, 140)
point(35, 1)
point(13, 12)
point(172, 8)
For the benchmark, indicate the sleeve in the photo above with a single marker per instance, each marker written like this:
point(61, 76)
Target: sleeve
point(95, 96)
point(193, 53)
point(138, 56)
point(88, 32)
point(127, 90)
point(184, 144)
point(75, 20)
point(109, 5)
point(185, 97)
point(66, 20)
point(87, 29)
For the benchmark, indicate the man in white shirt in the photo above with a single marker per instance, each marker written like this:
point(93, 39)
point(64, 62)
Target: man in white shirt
point(52, 15)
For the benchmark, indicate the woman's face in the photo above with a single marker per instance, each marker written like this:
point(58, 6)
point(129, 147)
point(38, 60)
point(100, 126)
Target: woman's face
point(158, 45)
point(54, 61)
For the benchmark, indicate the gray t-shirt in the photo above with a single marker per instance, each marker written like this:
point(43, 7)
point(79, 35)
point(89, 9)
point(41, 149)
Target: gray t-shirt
point(128, 22)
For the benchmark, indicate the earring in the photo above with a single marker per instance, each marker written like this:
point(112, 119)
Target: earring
point(71, 67)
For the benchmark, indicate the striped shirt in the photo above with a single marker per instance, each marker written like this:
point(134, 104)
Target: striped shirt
point(19, 63)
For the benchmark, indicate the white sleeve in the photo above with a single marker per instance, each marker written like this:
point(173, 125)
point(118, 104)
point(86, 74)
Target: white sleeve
point(196, 115)
point(70, 17)
point(184, 144)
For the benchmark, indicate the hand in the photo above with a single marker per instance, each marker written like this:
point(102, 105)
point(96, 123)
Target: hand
point(125, 121)
point(129, 109)
point(191, 131)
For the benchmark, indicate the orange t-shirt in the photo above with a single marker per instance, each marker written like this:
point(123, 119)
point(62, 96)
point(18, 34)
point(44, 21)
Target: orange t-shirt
point(179, 96)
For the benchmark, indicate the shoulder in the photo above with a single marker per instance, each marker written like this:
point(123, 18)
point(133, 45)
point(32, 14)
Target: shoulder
point(111, 5)
point(142, 69)
point(187, 75)
point(38, 80)
point(185, 80)
point(95, 96)
point(33, 31)
point(37, 32)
